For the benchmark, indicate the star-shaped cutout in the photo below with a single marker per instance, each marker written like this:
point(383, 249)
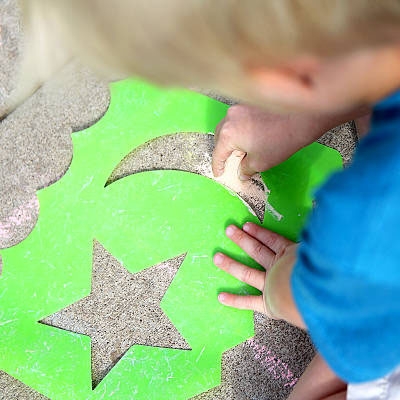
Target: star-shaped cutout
point(123, 309)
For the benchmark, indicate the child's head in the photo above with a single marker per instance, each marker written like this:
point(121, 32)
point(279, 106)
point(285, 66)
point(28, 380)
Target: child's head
point(317, 55)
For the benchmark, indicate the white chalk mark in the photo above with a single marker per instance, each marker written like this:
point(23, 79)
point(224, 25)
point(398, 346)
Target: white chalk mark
point(8, 322)
point(196, 257)
point(271, 210)
point(86, 184)
point(200, 354)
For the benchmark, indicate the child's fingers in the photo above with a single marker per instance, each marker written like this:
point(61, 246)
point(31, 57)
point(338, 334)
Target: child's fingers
point(274, 241)
point(248, 275)
point(255, 249)
point(254, 303)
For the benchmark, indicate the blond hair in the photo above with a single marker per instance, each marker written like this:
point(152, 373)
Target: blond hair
point(201, 42)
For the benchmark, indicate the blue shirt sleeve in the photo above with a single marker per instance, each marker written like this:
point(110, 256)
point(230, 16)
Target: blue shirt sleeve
point(346, 282)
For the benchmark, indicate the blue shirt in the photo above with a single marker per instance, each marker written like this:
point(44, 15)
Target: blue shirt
point(346, 282)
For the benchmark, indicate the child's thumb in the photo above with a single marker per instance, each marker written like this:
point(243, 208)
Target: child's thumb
point(245, 171)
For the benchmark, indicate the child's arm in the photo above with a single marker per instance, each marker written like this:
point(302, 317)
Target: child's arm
point(277, 255)
point(268, 139)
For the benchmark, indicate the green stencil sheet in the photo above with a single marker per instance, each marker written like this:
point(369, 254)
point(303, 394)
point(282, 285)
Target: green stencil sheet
point(141, 220)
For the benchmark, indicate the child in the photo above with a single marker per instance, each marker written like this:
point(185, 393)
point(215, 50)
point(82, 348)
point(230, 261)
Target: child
point(318, 63)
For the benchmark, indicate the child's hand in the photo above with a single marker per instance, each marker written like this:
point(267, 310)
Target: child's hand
point(266, 139)
point(268, 249)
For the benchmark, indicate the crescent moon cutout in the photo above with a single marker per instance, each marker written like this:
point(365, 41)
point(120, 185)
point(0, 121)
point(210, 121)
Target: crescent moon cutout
point(192, 152)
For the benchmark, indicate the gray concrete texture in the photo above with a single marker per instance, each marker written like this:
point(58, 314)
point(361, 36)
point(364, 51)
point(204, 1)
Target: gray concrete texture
point(36, 150)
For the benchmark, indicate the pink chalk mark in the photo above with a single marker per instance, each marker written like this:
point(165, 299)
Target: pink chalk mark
point(274, 365)
point(291, 384)
point(19, 216)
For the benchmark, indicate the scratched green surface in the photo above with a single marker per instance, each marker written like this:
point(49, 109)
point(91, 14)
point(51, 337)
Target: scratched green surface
point(142, 219)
